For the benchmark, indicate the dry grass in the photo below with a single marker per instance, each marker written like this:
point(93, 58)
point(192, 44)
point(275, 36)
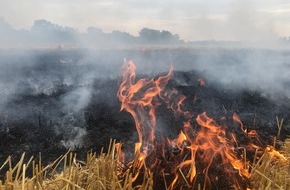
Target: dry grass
point(102, 172)
point(272, 171)
point(106, 172)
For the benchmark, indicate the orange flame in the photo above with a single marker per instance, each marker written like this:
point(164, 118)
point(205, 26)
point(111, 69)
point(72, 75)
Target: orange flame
point(120, 154)
point(274, 153)
point(209, 144)
point(179, 142)
point(137, 98)
point(201, 82)
point(201, 148)
point(237, 119)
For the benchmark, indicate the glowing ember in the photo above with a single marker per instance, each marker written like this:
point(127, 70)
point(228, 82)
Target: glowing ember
point(201, 82)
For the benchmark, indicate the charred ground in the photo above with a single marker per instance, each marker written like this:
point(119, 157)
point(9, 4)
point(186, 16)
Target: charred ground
point(53, 100)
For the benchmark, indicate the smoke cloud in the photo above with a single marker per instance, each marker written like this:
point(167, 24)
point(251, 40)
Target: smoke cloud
point(51, 74)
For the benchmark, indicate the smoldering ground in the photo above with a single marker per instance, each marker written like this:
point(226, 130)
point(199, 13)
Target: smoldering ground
point(57, 99)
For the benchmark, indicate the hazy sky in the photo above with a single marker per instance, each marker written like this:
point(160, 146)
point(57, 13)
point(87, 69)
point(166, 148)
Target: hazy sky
point(191, 19)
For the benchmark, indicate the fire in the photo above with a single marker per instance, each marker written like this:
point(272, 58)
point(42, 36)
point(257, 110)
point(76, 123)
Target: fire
point(196, 152)
point(120, 153)
point(274, 153)
point(253, 134)
point(179, 143)
point(201, 82)
point(138, 98)
point(209, 145)
point(237, 119)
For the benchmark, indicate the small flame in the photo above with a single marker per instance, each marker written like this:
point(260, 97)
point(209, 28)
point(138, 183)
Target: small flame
point(274, 153)
point(179, 142)
point(201, 82)
point(237, 119)
point(120, 154)
point(253, 134)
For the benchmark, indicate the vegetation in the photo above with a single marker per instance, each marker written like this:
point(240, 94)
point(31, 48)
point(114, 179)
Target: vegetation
point(105, 172)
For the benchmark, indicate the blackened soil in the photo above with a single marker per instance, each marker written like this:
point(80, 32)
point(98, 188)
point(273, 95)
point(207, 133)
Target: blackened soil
point(27, 129)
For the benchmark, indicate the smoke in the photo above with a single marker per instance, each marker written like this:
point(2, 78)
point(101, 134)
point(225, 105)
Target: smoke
point(71, 127)
point(52, 88)
point(236, 68)
point(46, 89)
point(247, 23)
point(55, 90)
point(261, 70)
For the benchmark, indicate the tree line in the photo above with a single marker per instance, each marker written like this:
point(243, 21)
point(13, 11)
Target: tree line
point(44, 32)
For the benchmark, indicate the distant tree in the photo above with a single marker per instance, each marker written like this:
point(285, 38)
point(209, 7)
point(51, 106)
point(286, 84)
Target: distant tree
point(94, 37)
point(6, 33)
point(122, 37)
point(4, 26)
point(149, 35)
point(155, 36)
point(94, 31)
point(44, 32)
point(45, 25)
point(47, 32)
point(10, 37)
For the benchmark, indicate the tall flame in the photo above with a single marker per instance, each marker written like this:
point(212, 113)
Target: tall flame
point(201, 149)
point(138, 98)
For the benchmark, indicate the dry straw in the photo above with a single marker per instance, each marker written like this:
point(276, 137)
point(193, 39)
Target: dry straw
point(272, 171)
point(102, 172)
point(106, 172)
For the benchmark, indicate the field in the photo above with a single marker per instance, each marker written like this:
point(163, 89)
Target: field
point(53, 100)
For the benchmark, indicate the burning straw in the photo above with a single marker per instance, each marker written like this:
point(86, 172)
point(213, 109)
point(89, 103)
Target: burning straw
point(205, 155)
point(205, 152)
point(107, 172)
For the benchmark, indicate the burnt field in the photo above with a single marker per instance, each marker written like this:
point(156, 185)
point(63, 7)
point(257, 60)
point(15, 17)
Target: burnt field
point(52, 100)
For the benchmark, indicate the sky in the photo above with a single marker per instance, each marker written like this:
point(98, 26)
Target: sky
point(243, 20)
